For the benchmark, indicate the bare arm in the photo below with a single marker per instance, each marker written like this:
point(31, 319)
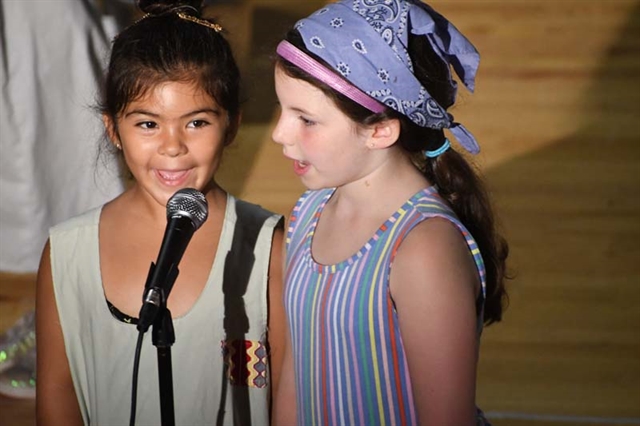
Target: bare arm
point(277, 320)
point(285, 408)
point(434, 284)
point(284, 404)
point(56, 402)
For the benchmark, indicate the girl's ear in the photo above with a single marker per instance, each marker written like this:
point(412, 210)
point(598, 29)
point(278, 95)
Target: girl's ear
point(110, 128)
point(384, 134)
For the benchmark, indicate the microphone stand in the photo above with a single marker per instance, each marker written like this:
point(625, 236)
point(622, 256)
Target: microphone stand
point(163, 337)
point(186, 212)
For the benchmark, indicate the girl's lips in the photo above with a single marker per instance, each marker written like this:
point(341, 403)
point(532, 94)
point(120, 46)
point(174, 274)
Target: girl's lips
point(300, 167)
point(172, 177)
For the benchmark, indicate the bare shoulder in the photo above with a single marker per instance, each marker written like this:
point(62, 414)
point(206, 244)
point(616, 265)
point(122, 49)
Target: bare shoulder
point(434, 255)
point(277, 253)
point(277, 242)
point(434, 243)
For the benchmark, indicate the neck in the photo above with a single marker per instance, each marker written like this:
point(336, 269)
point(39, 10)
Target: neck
point(392, 181)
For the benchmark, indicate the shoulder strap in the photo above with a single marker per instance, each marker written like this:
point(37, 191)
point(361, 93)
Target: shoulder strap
point(238, 265)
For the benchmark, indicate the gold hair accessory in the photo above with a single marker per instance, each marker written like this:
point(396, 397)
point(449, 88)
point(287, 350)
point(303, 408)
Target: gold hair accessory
point(145, 16)
point(215, 27)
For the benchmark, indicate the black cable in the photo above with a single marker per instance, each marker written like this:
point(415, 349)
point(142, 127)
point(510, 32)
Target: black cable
point(134, 385)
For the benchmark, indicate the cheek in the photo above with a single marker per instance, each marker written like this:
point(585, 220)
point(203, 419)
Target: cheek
point(328, 145)
point(311, 148)
point(208, 152)
point(134, 162)
point(137, 150)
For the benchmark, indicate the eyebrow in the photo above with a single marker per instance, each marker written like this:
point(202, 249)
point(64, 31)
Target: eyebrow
point(189, 114)
point(301, 111)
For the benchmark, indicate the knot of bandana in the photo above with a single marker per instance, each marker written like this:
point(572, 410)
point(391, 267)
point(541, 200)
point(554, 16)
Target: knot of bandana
point(366, 41)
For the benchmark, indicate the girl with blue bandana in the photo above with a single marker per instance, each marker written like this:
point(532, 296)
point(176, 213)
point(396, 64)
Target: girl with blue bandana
point(393, 263)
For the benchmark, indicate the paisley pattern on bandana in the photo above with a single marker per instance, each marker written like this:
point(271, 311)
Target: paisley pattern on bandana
point(366, 42)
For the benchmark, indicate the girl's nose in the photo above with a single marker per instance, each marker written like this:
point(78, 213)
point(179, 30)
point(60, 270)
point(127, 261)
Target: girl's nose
point(278, 133)
point(173, 144)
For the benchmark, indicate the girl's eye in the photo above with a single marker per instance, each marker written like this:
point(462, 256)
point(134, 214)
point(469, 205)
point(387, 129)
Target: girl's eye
point(147, 125)
point(198, 123)
point(306, 121)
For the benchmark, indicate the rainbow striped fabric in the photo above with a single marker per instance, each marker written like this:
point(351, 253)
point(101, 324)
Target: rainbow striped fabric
point(349, 359)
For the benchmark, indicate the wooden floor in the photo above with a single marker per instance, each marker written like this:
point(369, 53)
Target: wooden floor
point(557, 113)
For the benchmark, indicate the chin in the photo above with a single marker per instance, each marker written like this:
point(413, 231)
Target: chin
point(315, 186)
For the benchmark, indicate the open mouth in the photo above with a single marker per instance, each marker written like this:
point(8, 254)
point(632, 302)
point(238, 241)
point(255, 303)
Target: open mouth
point(300, 167)
point(172, 177)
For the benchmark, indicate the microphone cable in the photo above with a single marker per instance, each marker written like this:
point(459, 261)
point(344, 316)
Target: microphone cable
point(134, 384)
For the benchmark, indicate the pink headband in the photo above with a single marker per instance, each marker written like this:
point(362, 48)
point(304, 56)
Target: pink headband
point(306, 63)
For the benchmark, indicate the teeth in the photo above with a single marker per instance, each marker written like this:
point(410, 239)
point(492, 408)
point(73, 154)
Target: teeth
point(171, 175)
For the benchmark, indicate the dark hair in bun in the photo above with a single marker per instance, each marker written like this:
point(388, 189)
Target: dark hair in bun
point(166, 46)
point(156, 7)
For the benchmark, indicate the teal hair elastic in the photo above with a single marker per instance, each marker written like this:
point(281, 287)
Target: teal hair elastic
point(445, 146)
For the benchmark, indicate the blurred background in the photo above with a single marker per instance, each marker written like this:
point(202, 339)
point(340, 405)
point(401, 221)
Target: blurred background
point(557, 114)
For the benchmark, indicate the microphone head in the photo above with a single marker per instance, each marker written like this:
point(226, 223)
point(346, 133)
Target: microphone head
point(190, 203)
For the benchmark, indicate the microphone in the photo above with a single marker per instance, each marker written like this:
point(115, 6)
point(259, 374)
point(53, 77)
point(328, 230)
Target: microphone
point(187, 210)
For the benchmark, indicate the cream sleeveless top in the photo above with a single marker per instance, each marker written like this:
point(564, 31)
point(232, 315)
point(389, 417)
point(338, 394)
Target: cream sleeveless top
point(210, 385)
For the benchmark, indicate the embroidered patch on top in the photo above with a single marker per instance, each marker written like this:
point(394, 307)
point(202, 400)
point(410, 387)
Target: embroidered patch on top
point(246, 361)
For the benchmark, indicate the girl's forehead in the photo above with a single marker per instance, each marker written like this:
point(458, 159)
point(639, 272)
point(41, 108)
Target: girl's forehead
point(190, 88)
point(171, 92)
point(297, 89)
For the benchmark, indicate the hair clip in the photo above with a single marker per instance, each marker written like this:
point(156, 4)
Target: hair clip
point(215, 27)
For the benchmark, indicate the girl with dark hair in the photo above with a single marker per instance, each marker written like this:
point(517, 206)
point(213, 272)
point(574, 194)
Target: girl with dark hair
point(170, 107)
point(393, 261)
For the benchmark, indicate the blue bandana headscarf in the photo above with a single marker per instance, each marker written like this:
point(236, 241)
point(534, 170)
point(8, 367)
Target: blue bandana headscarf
point(366, 42)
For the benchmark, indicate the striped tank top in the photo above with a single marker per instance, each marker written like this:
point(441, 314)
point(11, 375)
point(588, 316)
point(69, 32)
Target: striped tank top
point(349, 357)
